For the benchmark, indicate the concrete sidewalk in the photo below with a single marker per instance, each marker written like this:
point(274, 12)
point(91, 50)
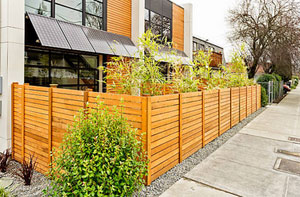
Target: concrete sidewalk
point(249, 163)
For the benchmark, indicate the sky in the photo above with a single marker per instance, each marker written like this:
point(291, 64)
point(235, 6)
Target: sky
point(209, 21)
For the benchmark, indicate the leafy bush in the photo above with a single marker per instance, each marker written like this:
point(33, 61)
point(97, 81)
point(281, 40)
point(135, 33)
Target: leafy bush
point(295, 80)
point(4, 160)
point(101, 155)
point(264, 97)
point(26, 170)
point(3, 193)
point(277, 77)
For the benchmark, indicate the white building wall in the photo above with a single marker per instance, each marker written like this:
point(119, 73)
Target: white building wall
point(11, 60)
point(188, 29)
point(137, 20)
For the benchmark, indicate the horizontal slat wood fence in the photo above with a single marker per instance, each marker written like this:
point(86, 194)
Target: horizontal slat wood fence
point(176, 126)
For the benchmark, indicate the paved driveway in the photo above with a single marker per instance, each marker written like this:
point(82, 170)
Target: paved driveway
point(249, 164)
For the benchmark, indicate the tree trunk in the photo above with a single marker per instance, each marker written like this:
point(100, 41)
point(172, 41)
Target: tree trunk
point(252, 70)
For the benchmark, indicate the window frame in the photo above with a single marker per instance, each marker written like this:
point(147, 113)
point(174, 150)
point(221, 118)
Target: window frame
point(162, 26)
point(83, 11)
point(49, 67)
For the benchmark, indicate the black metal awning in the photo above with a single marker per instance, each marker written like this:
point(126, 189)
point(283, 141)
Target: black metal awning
point(58, 34)
point(166, 55)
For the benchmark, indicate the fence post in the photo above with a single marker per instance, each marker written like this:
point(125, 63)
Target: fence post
point(219, 114)
point(239, 104)
point(146, 119)
point(203, 118)
point(230, 107)
point(50, 95)
point(12, 118)
point(23, 119)
point(180, 128)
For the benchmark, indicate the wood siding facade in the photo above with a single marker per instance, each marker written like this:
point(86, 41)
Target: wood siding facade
point(178, 27)
point(119, 17)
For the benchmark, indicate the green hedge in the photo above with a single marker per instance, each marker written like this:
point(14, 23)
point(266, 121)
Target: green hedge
point(264, 97)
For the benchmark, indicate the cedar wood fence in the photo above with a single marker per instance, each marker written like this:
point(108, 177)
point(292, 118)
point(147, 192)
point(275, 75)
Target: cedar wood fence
point(176, 126)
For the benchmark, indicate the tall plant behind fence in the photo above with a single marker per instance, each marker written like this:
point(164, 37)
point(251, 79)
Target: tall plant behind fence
point(175, 126)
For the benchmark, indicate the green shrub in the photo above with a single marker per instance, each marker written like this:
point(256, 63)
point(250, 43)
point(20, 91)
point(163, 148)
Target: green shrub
point(3, 193)
point(101, 155)
point(295, 80)
point(264, 97)
point(277, 77)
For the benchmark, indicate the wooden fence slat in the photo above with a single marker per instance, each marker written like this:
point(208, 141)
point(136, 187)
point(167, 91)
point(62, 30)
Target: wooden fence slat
point(203, 119)
point(12, 119)
point(148, 134)
point(230, 107)
point(180, 128)
point(219, 114)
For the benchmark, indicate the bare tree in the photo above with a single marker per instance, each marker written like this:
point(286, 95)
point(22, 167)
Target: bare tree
point(264, 26)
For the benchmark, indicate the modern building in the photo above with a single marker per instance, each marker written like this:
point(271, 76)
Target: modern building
point(218, 57)
point(64, 42)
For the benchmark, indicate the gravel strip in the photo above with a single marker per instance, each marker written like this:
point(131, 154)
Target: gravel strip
point(38, 183)
point(165, 181)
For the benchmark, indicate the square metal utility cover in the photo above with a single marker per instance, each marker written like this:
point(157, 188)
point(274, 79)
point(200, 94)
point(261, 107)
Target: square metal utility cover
point(287, 166)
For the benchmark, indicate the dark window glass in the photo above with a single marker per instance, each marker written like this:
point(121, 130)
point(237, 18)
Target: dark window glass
point(75, 4)
point(156, 18)
point(94, 22)
point(159, 25)
point(36, 58)
point(68, 15)
point(37, 76)
point(60, 60)
point(166, 23)
point(88, 62)
point(94, 7)
point(68, 70)
point(70, 11)
point(87, 77)
point(41, 7)
point(194, 46)
point(64, 76)
point(147, 25)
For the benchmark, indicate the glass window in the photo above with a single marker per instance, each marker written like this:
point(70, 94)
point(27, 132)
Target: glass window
point(147, 15)
point(93, 21)
point(61, 60)
point(70, 11)
point(87, 77)
point(36, 58)
point(156, 18)
point(68, 15)
point(64, 76)
point(41, 7)
point(94, 7)
point(75, 4)
point(37, 76)
point(87, 61)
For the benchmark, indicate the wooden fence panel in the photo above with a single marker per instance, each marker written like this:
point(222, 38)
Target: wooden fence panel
point(224, 110)
point(254, 97)
point(235, 106)
point(17, 121)
point(258, 97)
point(192, 123)
point(249, 100)
point(211, 115)
point(176, 126)
point(243, 103)
point(164, 134)
point(36, 125)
